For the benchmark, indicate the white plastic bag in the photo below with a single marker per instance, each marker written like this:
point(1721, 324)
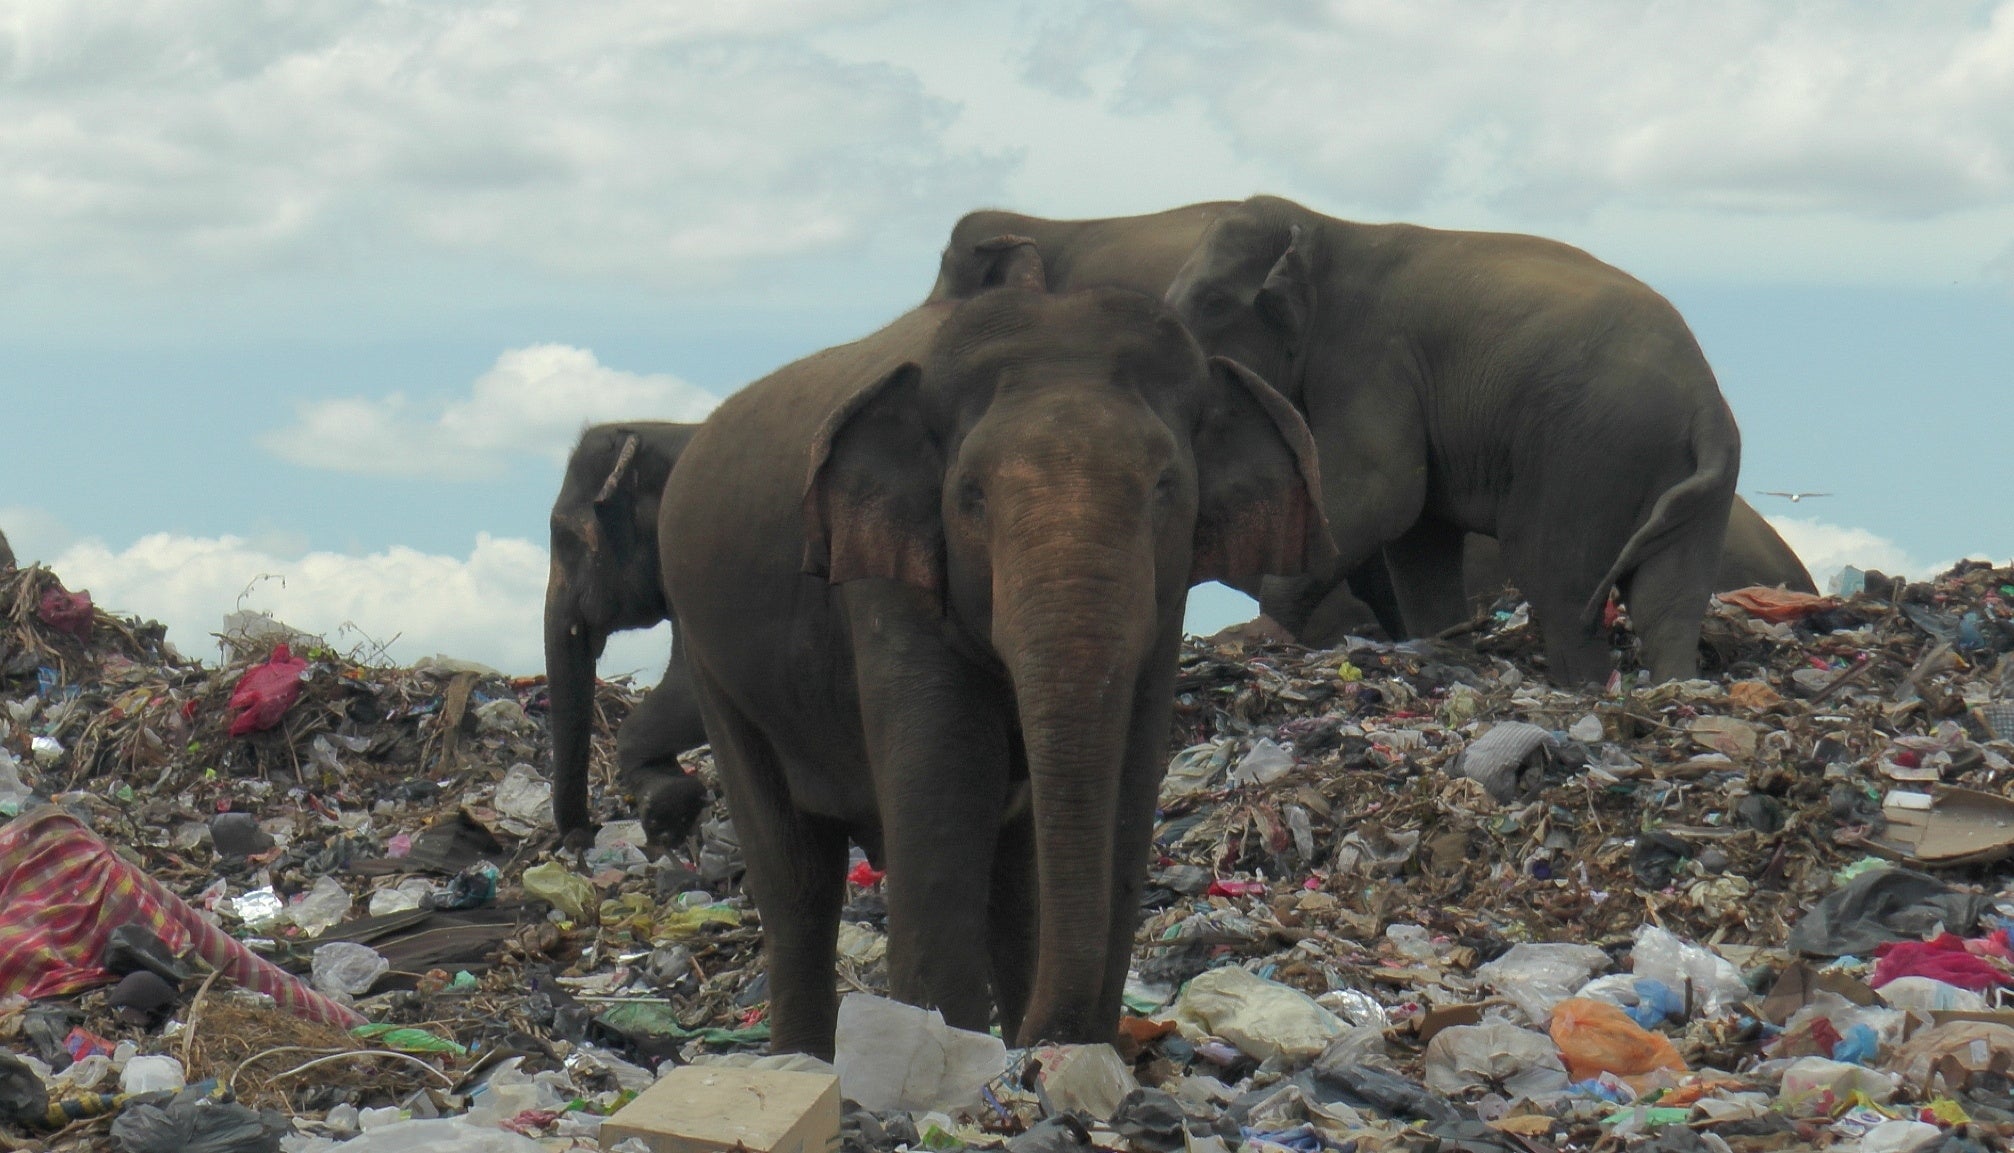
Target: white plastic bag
point(895, 1056)
point(1715, 983)
point(1262, 1018)
point(1537, 977)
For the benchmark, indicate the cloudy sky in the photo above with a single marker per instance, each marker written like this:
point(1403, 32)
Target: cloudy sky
point(310, 299)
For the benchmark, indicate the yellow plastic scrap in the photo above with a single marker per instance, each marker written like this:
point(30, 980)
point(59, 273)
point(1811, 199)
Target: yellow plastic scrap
point(1348, 673)
point(678, 924)
point(1945, 1111)
point(572, 894)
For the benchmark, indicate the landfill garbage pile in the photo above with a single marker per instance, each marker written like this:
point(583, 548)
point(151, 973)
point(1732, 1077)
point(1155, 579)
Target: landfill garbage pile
point(1405, 897)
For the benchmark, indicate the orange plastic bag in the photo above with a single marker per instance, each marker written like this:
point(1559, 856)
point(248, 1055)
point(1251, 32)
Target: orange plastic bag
point(1595, 1037)
point(1775, 605)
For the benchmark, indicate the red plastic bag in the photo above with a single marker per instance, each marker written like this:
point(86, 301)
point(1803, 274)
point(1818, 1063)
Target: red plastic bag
point(266, 692)
point(66, 611)
point(1595, 1037)
point(865, 875)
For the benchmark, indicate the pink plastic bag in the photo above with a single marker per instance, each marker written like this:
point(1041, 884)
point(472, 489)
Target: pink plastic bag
point(265, 692)
point(66, 611)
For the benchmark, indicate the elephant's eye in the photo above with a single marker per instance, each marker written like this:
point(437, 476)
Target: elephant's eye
point(1166, 487)
point(971, 498)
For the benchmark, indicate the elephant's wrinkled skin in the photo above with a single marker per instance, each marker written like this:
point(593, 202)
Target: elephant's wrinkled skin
point(932, 597)
point(1752, 554)
point(605, 579)
point(1454, 382)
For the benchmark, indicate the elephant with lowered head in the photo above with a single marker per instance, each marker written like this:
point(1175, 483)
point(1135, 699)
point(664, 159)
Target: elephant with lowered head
point(933, 598)
point(605, 579)
point(1752, 554)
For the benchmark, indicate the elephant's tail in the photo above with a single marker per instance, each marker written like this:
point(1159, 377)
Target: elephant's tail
point(1716, 451)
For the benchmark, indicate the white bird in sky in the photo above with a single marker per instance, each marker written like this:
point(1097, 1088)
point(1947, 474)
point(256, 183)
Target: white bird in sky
point(1793, 497)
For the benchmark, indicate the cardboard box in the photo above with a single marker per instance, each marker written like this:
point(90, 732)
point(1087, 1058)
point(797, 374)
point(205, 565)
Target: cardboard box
point(703, 1108)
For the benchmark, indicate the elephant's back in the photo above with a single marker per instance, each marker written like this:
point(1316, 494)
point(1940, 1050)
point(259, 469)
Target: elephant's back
point(1757, 555)
point(1141, 253)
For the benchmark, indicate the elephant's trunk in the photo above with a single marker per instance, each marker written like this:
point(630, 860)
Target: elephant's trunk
point(569, 671)
point(1073, 620)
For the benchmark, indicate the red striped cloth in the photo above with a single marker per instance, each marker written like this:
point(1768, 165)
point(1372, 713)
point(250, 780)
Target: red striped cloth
point(63, 891)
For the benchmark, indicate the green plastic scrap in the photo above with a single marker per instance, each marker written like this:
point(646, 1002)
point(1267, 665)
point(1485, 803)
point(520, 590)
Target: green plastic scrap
point(1863, 865)
point(643, 918)
point(636, 1018)
point(1653, 1117)
point(408, 1040)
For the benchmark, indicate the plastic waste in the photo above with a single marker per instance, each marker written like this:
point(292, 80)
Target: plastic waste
point(895, 1056)
point(1929, 995)
point(14, 793)
point(266, 692)
point(152, 1075)
point(24, 1100)
point(1595, 1037)
point(1900, 1136)
point(1265, 763)
point(193, 1122)
point(1881, 905)
point(346, 968)
point(65, 611)
point(572, 894)
point(1264, 1019)
point(1151, 1120)
point(1194, 768)
point(324, 906)
point(524, 796)
point(1495, 1056)
point(1537, 977)
point(1649, 1002)
point(1818, 1086)
point(1713, 981)
point(1509, 760)
point(509, 1091)
point(1085, 1078)
point(1944, 958)
point(1412, 941)
point(440, 1135)
point(261, 909)
point(411, 893)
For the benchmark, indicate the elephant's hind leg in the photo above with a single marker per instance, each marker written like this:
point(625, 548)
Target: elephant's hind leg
point(796, 876)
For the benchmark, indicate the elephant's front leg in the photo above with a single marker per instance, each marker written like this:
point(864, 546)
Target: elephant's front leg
point(937, 737)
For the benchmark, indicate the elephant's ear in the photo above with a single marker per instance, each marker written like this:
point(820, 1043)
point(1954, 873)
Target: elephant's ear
point(1258, 487)
point(872, 498)
point(1287, 299)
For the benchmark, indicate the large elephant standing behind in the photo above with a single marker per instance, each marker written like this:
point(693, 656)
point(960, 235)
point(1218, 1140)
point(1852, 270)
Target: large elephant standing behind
point(1455, 382)
point(932, 587)
point(1752, 554)
point(605, 579)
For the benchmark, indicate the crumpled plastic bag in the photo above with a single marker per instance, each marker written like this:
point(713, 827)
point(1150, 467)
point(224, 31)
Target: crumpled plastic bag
point(192, 1123)
point(1944, 958)
point(1713, 980)
point(1508, 761)
point(66, 612)
point(1496, 1056)
point(347, 968)
point(1595, 1037)
point(266, 692)
point(572, 894)
point(895, 1056)
point(1882, 906)
point(1537, 977)
point(438, 1135)
point(1262, 1018)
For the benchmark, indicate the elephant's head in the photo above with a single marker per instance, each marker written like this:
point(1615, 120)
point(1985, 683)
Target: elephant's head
point(1058, 470)
point(1248, 289)
point(604, 579)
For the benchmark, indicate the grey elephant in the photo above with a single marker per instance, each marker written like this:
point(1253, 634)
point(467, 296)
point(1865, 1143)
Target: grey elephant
point(1751, 554)
point(605, 579)
point(1454, 382)
point(932, 592)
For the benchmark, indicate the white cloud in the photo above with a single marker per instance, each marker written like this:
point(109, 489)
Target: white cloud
point(1827, 548)
point(533, 400)
point(670, 142)
point(487, 606)
point(1553, 108)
